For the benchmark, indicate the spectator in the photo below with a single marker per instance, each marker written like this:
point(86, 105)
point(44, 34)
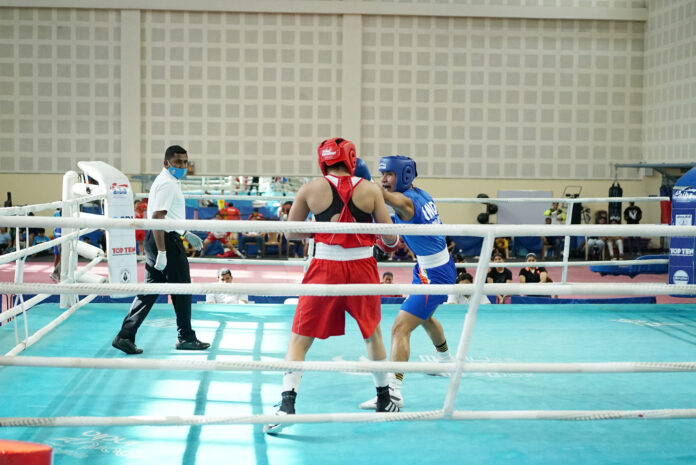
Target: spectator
point(388, 278)
point(615, 240)
point(223, 237)
point(595, 245)
point(230, 212)
point(102, 240)
point(255, 215)
point(225, 276)
point(633, 215)
point(556, 214)
point(502, 246)
point(499, 275)
point(402, 252)
point(32, 233)
point(450, 244)
point(6, 241)
point(464, 278)
point(283, 211)
point(532, 274)
point(139, 212)
point(252, 236)
point(555, 243)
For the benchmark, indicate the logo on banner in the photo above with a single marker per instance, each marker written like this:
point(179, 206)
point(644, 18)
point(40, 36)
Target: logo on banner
point(680, 277)
point(686, 193)
point(682, 220)
point(681, 251)
point(125, 275)
point(118, 189)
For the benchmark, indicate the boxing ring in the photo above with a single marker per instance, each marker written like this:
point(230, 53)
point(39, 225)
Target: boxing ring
point(570, 366)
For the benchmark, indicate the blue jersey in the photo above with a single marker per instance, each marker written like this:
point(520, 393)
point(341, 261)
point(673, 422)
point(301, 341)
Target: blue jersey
point(425, 212)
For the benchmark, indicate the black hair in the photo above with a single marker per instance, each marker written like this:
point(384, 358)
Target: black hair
point(173, 150)
point(388, 273)
point(464, 276)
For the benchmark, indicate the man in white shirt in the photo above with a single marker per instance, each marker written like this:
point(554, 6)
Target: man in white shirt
point(166, 260)
point(465, 278)
point(225, 276)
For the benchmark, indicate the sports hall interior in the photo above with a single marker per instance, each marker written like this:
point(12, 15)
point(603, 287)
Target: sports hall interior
point(524, 96)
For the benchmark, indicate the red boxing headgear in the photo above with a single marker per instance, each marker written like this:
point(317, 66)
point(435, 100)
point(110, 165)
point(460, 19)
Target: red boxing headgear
point(337, 150)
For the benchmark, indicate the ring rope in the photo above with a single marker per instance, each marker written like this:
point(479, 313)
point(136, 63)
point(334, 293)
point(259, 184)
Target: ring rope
point(429, 415)
point(283, 289)
point(350, 228)
point(347, 366)
point(23, 210)
point(458, 200)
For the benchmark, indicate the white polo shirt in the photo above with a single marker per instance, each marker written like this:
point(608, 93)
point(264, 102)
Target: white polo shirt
point(226, 299)
point(165, 194)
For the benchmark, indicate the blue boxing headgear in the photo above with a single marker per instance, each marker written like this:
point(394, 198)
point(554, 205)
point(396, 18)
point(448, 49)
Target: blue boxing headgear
point(361, 170)
point(403, 167)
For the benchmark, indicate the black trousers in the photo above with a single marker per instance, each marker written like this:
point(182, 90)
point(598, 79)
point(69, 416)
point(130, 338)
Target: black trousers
point(176, 271)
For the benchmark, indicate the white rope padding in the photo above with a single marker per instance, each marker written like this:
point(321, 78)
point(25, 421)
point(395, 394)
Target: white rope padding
point(23, 210)
point(309, 227)
point(550, 200)
point(431, 415)
point(457, 200)
point(346, 366)
point(283, 289)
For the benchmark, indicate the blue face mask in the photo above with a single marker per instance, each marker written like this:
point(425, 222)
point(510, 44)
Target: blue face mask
point(178, 173)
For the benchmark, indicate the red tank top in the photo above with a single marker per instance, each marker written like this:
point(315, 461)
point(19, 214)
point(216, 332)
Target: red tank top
point(345, 186)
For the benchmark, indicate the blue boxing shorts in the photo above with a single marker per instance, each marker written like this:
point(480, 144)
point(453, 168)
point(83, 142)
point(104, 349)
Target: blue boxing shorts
point(56, 248)
point(423, 306)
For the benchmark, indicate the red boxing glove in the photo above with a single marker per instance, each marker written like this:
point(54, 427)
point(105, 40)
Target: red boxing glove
point(387, 248)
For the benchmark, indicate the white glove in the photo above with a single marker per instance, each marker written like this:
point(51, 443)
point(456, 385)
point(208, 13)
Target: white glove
point(161, 262)
point(193, 240)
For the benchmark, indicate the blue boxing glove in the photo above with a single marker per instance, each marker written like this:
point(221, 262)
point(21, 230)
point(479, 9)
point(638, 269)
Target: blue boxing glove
point(361, 170)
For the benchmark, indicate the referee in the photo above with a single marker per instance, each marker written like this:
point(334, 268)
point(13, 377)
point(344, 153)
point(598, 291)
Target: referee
point(166, 260)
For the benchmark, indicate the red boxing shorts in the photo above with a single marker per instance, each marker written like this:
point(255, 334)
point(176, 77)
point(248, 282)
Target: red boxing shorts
point(324, 316)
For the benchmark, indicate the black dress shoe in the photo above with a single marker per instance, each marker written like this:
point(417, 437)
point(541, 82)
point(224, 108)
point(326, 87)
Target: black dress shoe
point(126, 345)
point(192, 345)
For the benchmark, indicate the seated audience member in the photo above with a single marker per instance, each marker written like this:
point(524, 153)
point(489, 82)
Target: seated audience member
point(6, 241)
point(464, 278)
point(534, 274)
point(595, 245)
point(246, 237)
point(553, 242)
point(224, 238)
point(402, 253)
point(39, 238)
point(297, 247)
point(388, 278)
point(499, 275)
point(283, 211)
point(450, 244)
point(615, 240)
point(225, 276)
point(502, 246)
point(255, 215)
